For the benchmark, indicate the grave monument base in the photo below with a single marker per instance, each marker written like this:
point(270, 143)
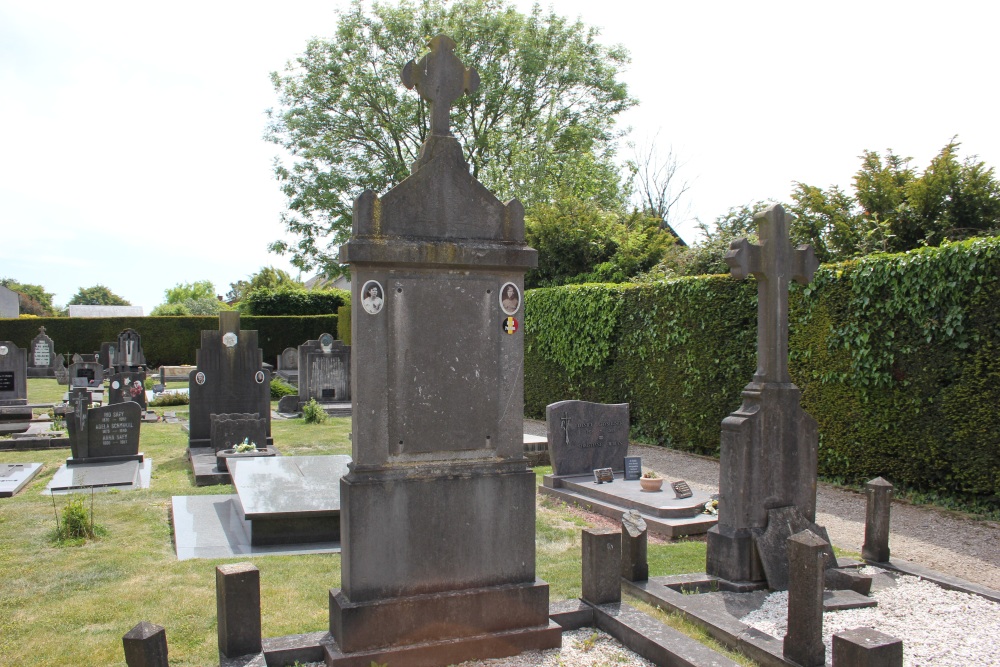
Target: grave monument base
point(104, 459)
point(41, 372)
point(732, 558)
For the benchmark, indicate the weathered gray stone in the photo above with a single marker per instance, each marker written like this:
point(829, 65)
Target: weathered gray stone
point(772, 543)
point(876, 545)
point(838, 579)
point(229, 430)
point(769, 445)
point(584, 436)
point(635, 563)
point(41, 355)
point(10, 304)
point(88, 374)
point(237, 598)
point(602, 566)
point(437, 512)
point(324, 370)
point(807, 562)
point(229, 378)
point(866, 647)
point(145, 646)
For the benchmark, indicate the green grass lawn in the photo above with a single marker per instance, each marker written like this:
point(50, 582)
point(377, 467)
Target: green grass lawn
point(70, 605)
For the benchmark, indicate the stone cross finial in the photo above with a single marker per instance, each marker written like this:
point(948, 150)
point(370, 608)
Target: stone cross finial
point(772, 263)
point(440, 78)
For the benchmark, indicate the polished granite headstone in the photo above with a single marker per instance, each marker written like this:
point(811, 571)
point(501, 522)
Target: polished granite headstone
point(229, 430)
point(15, 416)
point(584, 436)
point(106, 356)
point(41, 356)
point(15, 476)
point(101, 434)
point(128, 386)
point(127, 354)
point(229, 378)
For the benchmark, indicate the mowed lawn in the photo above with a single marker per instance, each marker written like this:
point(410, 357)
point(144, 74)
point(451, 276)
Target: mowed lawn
point(70, 605)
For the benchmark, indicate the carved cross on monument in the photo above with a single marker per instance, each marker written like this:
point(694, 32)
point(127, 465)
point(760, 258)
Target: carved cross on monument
point(440, 78)
point(772, 263)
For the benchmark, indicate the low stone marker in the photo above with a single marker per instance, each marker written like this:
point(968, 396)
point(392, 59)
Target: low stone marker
point(806, 565)
point(866, 647)
point(635, 563)
point(876, 546)
point(145, 646)
point(237, 598)
point(601, 566)
point(584, 436)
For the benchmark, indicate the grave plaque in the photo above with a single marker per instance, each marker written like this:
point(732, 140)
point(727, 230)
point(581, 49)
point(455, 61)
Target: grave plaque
point(633, 467)
point(128, 386)
point(324, 370)
point(13, 374)
point(437, 399)
point(41, 356)
point(602, 475)
point(7, 381)
point(681, 489)
point(584, 436)
point(229, 378)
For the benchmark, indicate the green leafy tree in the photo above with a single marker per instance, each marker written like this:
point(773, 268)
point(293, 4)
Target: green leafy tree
point(540, 124)
point(98, 295)
point(197, 298)
point(267, 278)
point(33, 300)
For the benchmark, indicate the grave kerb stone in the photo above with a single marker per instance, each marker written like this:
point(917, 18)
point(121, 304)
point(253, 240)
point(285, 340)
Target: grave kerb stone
point(806, 562)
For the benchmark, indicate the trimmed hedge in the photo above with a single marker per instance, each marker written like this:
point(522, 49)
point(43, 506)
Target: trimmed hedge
point(165, 340)
point(896, 356)
point(282, 301)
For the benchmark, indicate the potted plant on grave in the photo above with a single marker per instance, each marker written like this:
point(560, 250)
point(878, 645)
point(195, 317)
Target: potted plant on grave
point(651, 481)
point(243, 449)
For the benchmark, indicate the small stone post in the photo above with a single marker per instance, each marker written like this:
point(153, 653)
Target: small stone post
point(866, 647)
point(635, 566)
point(601, 566)
point(237, 598)
point(145, 646)
point(806, 564)
point(876, 546)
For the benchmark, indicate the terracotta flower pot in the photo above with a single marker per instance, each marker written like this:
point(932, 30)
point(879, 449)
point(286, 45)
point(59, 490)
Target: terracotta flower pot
point(651, 483)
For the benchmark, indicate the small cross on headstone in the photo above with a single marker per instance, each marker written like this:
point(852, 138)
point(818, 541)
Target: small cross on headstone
point(772, 263)
point(440, 78)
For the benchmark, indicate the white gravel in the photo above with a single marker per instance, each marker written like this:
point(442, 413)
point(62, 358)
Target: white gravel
point(939, 628)
point(585, 647)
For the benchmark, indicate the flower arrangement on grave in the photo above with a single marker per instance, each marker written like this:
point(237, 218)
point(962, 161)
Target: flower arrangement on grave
point(245, 447)
point(651, 474)
point(712, 507)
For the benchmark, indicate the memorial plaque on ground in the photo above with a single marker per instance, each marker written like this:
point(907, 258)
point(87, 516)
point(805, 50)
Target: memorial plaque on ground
point(584, 436)
point(229, 378)
point(602, 475)
point(13, 374)
point(41, 356)
point(128, 386)
point(633, 467)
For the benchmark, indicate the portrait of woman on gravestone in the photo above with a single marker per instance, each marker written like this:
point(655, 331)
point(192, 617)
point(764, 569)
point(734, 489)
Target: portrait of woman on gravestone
point(510, 298)
point(372, 297)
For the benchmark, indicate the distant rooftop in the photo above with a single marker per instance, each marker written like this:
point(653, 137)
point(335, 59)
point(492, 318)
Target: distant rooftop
point(105, 311)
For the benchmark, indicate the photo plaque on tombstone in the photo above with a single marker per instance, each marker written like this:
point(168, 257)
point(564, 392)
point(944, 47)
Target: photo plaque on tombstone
point(602, 475)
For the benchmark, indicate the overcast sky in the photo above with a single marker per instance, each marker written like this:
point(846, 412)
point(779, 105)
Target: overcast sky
point(132, 152)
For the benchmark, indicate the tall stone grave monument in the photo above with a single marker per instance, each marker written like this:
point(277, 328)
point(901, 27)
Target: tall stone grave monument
point(769, 445)
point(324, 370)
point(42, 356)
point(14, 385)
point(127, 354)
point(229, 378)
point(437, 511)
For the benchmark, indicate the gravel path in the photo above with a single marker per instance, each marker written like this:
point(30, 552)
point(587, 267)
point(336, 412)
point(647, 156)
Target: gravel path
point(944, 541)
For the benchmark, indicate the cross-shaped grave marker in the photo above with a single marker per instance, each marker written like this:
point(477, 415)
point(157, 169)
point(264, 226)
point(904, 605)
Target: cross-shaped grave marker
point(440, 78)
point(772, 263)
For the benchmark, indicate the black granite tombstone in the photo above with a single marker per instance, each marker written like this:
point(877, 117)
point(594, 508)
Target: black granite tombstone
point(584, 436)
point(13, 374)
point(102, 434)
point(127, 353)
point(128, 386)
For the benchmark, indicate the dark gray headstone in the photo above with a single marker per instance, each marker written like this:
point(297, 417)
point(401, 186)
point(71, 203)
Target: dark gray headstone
point(866, 647)
point(324, 370)
point(769, 445)
point(633, 467)
point(876, 545)
point(237, 597)
point(106, 357)
point(437, 415)
point(128, 351)
point(13, 374)
point(86, 374)
point(584, 436)
point(145, 646)
point(772, 543)
point(41, 356)
point(128, 386)
point(229, 378)
point(105, 433)
point(288, 404)
point(229, 430)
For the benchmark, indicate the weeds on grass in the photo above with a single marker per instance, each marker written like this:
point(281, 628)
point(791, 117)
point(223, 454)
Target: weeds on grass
point(77, 525)
point(313, 412)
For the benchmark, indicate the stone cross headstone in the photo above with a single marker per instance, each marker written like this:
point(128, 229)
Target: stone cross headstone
point(437, 511)
point(127, 353)
point(13, 374)
point(41, 356)
point(584, 436)
point(324, 370)
point(128, 386)
point(229, 378)
point(769, 445)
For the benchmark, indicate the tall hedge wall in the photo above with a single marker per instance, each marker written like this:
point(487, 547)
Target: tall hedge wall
point(896, 356)
point(165, 340)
